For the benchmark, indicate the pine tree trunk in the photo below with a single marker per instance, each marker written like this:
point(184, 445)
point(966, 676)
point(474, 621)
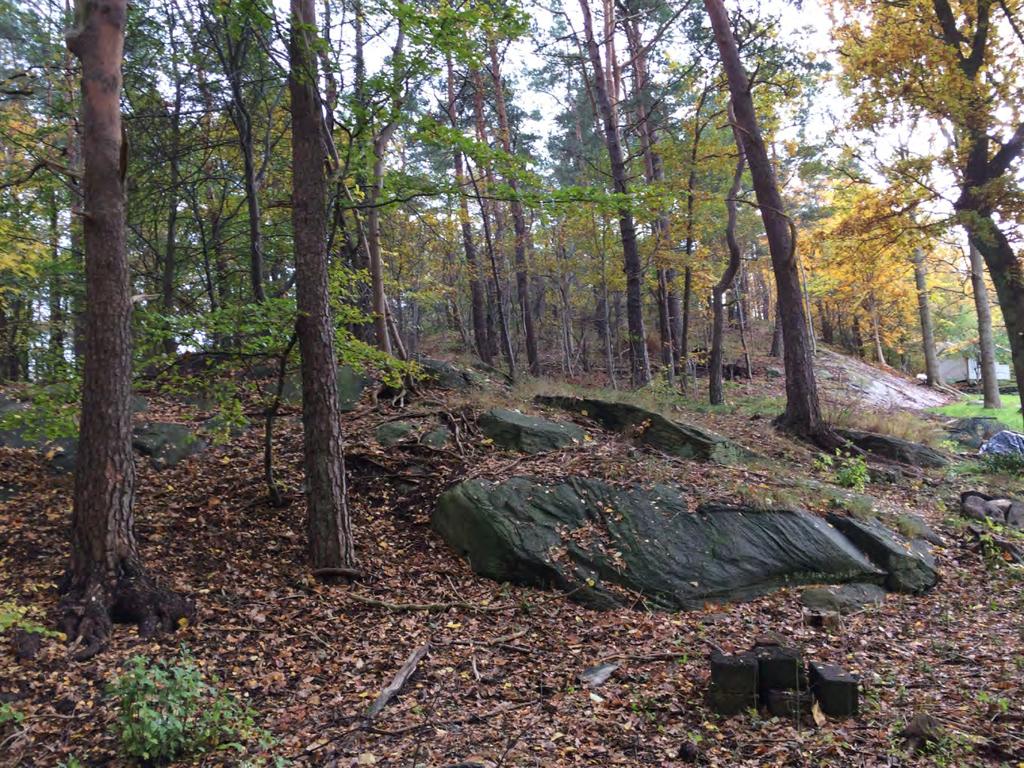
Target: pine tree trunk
point(989, 382)
point(803, 413)
point(105, 579)
point(931, 360)
point(718, 292)
point(329, 526)
point(518, 220)
point(477, 297)
point(640, 365)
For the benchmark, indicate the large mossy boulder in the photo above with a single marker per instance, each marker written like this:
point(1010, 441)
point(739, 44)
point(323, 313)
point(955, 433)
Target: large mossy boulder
point(894, 448)
point(909, 564)
point(445, 375)
point(165, 443)
point(652, 429)
point(607, 546)
point(529, 434)
point(350, 383)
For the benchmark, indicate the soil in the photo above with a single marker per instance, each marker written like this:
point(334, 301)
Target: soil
point(500, 683)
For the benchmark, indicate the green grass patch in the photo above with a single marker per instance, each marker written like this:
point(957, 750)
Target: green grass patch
point(1009, 414)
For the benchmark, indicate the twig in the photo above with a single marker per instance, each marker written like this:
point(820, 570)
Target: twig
point(391, 690)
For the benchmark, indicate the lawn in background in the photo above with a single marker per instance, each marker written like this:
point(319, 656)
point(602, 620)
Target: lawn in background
point(1009, 414)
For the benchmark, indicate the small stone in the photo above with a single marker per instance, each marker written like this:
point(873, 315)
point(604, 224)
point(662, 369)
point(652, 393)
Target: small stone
point(922, 729)
point(689, 752)
point(393, 432)
point(437, 438)
point(835, 690)
point(598, 675)
point(822, 619)
point(65, 706)
point(915, 527)
point(26, 645)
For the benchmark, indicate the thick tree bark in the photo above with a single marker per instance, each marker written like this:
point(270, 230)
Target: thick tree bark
point(982, 171)
point(329, 526)
point(105, 580)
point(640, 364)
point(1008, 277)
point(722, 286)
point(518, 219)
point(924, 310)
point(776, 349)
point(987, 347)
point(477, 297)
point(803, 413)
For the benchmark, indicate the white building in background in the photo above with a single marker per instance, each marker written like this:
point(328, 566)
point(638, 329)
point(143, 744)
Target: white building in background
point(966, 368)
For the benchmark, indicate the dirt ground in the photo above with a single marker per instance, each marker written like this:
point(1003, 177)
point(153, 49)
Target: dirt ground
point(499, 685)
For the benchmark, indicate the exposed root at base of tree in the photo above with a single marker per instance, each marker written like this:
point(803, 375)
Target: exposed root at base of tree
point(90, 609)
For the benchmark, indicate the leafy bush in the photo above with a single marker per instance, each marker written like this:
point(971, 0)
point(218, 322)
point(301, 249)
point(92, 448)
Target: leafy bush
point(1003, 463)
point(848, 471)
point(168, 710)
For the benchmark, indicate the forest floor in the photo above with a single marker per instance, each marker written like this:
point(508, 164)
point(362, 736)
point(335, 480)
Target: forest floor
point(499, 686)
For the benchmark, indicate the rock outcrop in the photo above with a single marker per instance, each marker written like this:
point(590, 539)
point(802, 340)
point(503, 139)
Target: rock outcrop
point(529, 434)
point(894, 448)
point(610, 547)
point(652, 429)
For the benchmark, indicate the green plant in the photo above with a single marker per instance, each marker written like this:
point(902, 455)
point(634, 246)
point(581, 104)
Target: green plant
point(14, 616)
point(1003, 463)
point(167, 710)
point(847, 470)
point(9, 716)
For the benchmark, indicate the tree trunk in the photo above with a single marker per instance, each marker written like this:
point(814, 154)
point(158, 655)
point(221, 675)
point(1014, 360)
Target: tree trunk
point(654, 174)
point(640, 365)
point(876, 333)
point(171, 243)
point(105, 579)
point(931, 360)
point(518, 220)
point(720, 288)
point(476, 289)
point(989, 382)
point(56, 294)
point(803, 413)
point(776, 350)
point(330, 529)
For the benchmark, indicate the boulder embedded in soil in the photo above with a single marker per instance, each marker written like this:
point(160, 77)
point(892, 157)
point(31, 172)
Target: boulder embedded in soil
point(894, 448)
point(165, 443)
point(843, 599)
point(529, 434)
point(652, 429)
point(617, 547)
point(909, 564)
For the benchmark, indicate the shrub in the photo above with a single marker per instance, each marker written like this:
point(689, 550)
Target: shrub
point(1003, 463)
point(848, 471)
point(168, 710)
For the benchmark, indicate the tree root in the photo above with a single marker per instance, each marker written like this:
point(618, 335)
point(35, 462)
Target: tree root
point(88, 612)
